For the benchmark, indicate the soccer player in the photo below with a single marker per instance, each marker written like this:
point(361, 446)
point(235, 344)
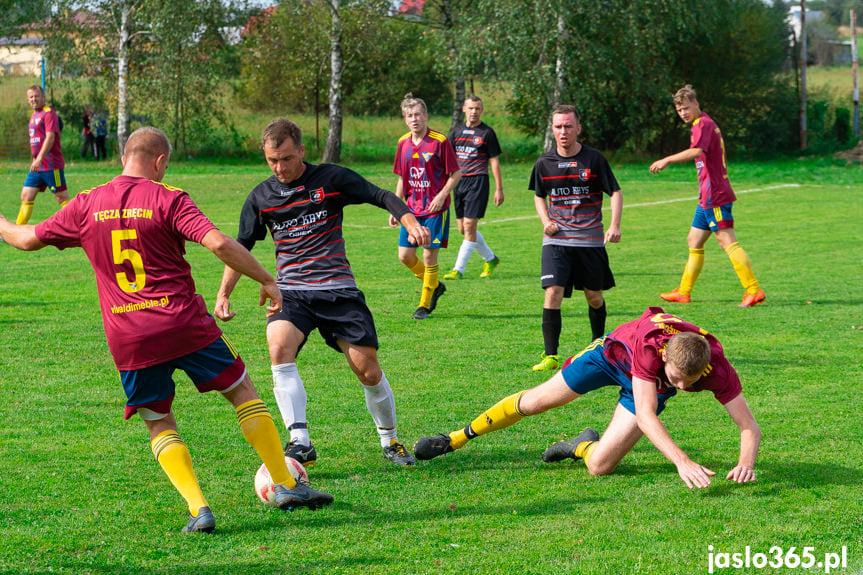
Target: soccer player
point(649, 359)
point(569, 182)
point(302, 206)
point(715, 199)
point(133, 229)
point(477, 150)
point(46, 169)
point(428, 171)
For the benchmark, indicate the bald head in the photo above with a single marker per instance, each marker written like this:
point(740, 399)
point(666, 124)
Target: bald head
point(146, 153)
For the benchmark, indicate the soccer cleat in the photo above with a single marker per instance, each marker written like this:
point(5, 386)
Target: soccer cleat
point(397, 453)
point(421, 313)
point(675, 295)
point(305, 454)
point(300, 496)
point(430, 447)
point(453, 275)
point(560, 450)
point(548, 363)
point(203, 523)
point(438, 291)
point(751, 299)
point(488, 267)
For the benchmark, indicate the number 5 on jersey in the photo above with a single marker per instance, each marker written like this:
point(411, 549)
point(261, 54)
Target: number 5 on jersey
point(134, 258)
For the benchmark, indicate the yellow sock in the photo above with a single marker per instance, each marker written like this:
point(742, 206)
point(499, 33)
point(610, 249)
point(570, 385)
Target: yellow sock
point(260, 431)
point(418, 269)
point(743, 267)
point(500, 415)
point(175, 459)
point(585, 449)
point(65, 202)
point(430, 282)
point(692, 269)
point(24, 213)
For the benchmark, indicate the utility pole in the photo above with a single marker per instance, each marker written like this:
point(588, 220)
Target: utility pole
point(802, 45)
point(854, 71)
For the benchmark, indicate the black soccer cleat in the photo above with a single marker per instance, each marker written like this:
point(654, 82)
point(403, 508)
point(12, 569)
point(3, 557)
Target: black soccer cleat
point(300, 496)
point(560, 450)
point(203, 523)
point(397, 453)
point(305, 454)
point(438, 291)
point(431, 447)
point(421, 313)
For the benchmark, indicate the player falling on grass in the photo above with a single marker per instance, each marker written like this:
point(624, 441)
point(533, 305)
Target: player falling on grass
point(133, 229)
point(569, 182)
point(715, 199)
point(428, 171)
point(302, 205)
point(477, 150)
point(649, 359)
point(47, 167)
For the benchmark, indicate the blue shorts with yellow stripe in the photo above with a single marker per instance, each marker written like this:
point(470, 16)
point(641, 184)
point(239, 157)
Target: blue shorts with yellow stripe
point(437, 224)
point(52, 180)
point(713, 219)
point(590, 370)
point(216, 367)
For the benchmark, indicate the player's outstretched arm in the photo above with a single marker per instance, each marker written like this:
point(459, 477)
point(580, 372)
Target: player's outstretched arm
point(750, 440)
point(21, 237)
point(241, 261)
point(687, 155)
point(692, 473)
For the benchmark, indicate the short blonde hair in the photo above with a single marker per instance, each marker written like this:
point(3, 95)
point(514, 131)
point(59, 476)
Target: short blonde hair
point(410, 101)
point(148, 141)
point(685, 94)
point(689, 352)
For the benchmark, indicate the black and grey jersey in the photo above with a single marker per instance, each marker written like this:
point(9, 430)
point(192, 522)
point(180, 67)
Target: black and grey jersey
point(304, 218)
point(574, 187)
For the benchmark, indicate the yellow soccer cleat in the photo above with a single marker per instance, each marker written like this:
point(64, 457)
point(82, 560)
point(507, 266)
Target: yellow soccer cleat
point(548, 363)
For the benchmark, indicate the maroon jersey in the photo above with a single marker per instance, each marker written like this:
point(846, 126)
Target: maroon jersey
point(714, 188)
point(424, 170)
point(43, 121)
point(636, 346)
point(474, 147)
point(134, 231)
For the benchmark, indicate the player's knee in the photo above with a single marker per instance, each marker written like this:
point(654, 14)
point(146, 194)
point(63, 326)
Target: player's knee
point(598, 467)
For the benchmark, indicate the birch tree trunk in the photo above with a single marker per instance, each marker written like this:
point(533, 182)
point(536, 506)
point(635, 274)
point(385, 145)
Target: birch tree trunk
point(122, 76)
point(559, 68)
point(333, 148)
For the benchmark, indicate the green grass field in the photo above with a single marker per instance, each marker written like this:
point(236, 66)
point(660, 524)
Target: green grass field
point(80, 491)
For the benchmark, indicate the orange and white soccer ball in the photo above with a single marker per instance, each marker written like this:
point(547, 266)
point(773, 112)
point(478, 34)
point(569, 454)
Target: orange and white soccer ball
point(264, 483)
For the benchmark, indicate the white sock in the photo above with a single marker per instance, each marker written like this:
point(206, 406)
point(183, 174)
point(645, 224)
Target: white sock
point(382, 405)
point(464, 253)
point(291, 399)
point(483, 248)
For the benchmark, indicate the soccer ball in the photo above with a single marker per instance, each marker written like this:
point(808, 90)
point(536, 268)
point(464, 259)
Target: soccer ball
point(264, 483)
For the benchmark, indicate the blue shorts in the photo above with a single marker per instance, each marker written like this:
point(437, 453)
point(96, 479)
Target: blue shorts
point(590, 370)
point(46, 181)
point(437, 224)
point(713, 219)
point(216, 367)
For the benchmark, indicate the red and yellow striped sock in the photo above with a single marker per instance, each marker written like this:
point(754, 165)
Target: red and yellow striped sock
point(175, 459)
point(260, 431)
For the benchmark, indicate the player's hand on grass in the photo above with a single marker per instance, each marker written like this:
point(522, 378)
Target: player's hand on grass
point(270, 291)
point(223, 308)
point(741, 474)
point(694, 474)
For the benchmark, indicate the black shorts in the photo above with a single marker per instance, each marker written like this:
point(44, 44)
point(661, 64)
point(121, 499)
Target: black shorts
point(576, 268)
point(471, 197)
point(336, 313)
